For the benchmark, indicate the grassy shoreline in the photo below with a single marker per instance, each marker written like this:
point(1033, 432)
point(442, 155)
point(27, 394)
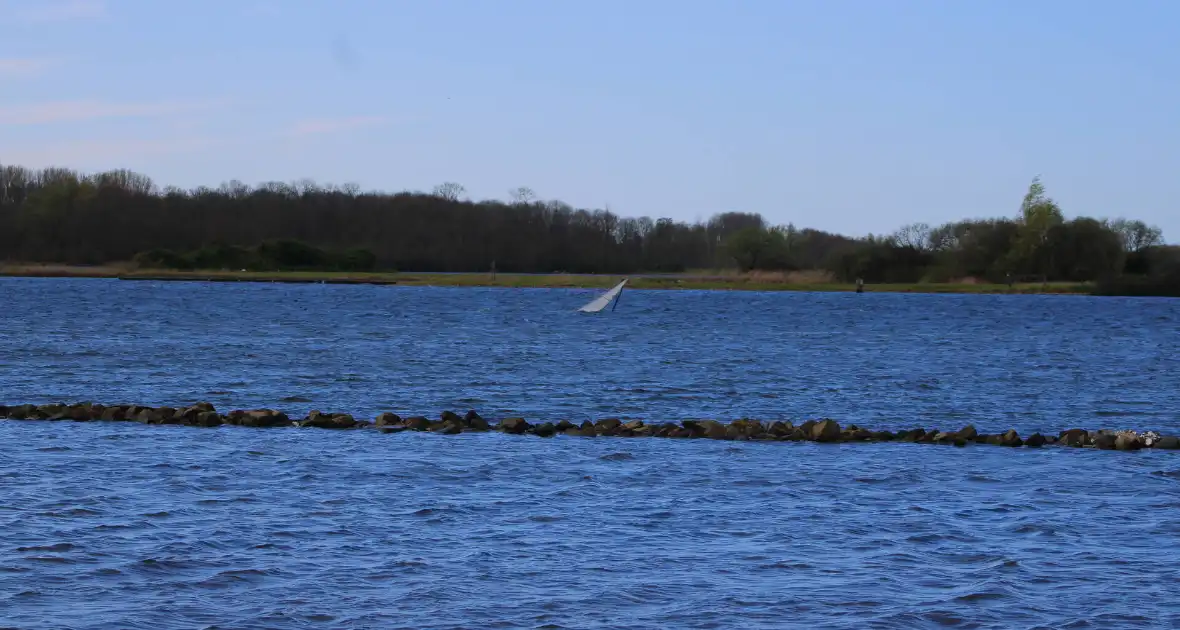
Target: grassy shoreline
point(693, 281)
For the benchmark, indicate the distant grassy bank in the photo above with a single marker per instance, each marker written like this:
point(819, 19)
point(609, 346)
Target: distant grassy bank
point(697, 280)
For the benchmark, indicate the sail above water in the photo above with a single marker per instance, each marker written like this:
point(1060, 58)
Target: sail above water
point(601, 302)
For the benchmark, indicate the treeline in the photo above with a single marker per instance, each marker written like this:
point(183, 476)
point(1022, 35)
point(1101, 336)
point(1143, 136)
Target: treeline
point(61, 216)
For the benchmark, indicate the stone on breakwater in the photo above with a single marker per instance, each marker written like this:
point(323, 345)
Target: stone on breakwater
point(781, 428)
point(1074, 437)
point(475, 422)
point(514, 426)
point(710, 429)
point(1168, 443)
point(1011, 438)
point(825, 431)
point(1104, 441)
point(388, 420)
point(1035, 440)
point(208, 419)
point(416, 423)
point(321, 420)
point(22, 412)
point(744, 429)
point(258, 418)
point(607, 426)
point(1127, 441)
point(856, 434)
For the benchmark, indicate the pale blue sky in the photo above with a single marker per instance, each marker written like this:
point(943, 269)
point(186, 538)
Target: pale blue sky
point(848, 115)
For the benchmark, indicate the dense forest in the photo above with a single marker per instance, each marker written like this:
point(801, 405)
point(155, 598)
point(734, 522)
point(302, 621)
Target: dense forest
point(61, 216)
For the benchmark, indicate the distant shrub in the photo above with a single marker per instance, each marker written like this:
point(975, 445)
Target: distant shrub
point(221, 256)
point(282, 255)
point(162, 259)
point(357, 260)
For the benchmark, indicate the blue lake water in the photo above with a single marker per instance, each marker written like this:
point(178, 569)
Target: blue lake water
point(130, 526)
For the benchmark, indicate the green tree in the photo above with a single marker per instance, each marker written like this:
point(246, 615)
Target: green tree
point(1039, 214)
point(759, 248)
point(1085, 249)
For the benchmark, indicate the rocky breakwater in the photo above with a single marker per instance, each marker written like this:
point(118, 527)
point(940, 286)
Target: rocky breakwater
point(450, 423)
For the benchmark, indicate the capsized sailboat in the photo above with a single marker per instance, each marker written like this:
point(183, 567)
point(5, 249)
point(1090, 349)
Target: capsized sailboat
point(600, 302)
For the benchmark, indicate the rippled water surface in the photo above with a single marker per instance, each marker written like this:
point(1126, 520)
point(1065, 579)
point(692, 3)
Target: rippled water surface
point(129, 526)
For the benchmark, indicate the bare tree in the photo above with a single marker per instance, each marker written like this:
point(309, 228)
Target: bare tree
point(306, 186)
point(914, 235)
point(1136, 235)
point(124, 179)
point(947, 237)
point(522, 195)
point(451, 191)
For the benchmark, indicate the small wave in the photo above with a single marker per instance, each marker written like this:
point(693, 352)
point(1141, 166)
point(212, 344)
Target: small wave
point(295, 399)
point(1036, 528)
point(74, 513)
point(152, 564)
point(788, 566)
point(54, 449)
point(50, 559)
point(271, 546)
point(983, 596)
point(617, 457)
point(229, 500)
point(245, 573)
point(57, 548)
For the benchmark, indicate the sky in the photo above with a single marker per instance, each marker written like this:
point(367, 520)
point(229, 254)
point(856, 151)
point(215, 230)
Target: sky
point(855, 116)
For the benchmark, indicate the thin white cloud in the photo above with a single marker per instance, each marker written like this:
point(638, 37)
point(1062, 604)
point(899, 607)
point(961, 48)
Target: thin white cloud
point(79, 111)
point(105, 153)
point(47, 11)
point(333, 125)
point(24, 67)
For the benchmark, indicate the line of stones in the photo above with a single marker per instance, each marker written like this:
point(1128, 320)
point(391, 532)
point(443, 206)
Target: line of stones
point(449, 423)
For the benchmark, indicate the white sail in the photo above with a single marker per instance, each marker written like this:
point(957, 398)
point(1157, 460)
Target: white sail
point(601, 302)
